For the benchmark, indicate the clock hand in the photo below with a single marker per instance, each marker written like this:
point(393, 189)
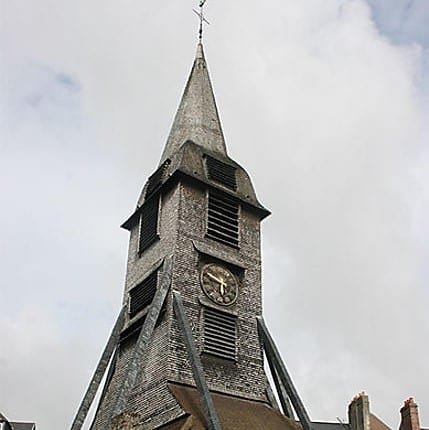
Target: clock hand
point(220, 281)
point(222, 288)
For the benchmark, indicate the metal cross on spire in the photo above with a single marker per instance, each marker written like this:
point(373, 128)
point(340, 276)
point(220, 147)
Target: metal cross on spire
point(203, 20)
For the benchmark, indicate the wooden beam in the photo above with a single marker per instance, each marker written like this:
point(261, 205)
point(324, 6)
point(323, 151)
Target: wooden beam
point(273, 355)
point(210, 414)
point(109, 377)
point(284, 398)
point(99, 373)
point(135, 364)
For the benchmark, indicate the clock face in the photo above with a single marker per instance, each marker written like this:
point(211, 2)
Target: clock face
point(219, 284)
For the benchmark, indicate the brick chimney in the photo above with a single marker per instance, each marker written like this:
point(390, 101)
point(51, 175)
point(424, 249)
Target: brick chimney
point(409, 416)
point(359, 415)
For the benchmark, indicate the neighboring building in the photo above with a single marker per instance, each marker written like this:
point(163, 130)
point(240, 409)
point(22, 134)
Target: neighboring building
point(361, 418)
point(6, 425)
point(23, 426)
point(188, 349)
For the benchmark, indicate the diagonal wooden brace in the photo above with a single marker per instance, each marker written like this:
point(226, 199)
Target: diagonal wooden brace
point(99, 373)
point(210, 414)
point(109, 377)
point(284, 398)
point(134, 365)
point(281, 372)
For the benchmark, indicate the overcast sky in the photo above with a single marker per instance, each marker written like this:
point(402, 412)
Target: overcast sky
point(326, 104)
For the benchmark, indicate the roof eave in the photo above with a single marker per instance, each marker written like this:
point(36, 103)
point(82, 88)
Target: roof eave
point(260, 210)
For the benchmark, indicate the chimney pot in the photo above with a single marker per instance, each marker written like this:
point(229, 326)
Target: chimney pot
point(409, 415)
point(359, 414)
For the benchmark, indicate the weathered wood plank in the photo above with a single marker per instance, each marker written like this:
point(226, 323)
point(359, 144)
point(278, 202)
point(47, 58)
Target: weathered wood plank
point(134, 365)
point(212, 419)
point(283, 397)
point(98, 374)
point(273, 355)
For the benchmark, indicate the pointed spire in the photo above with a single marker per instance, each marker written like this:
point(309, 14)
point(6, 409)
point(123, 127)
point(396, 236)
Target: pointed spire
point(197, 118)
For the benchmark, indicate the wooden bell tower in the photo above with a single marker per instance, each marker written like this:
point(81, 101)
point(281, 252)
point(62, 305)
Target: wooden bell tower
point(187, 351)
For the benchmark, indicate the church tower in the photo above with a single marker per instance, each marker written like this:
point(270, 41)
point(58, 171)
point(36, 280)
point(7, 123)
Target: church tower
point(187, 350)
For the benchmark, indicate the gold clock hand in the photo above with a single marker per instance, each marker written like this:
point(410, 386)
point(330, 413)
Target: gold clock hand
point(222, 288)
point(215, 278)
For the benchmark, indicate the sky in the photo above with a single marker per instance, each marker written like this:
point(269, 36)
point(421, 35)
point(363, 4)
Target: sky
point(324, 102)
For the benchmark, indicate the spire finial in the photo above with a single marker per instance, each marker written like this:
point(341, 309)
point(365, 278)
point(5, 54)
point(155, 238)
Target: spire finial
point(203, 20)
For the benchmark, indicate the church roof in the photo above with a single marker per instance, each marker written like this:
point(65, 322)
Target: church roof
point(23, 426)
point(8, 425)
point(320, 425)
point(234, 413)
point(197, 118)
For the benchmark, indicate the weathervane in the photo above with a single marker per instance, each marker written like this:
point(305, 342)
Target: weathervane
point(203, 20)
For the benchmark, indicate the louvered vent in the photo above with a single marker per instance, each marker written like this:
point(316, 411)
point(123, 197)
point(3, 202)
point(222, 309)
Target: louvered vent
point(221, 172)
point(220, 334)
point(149, 224)
point(222, 223)
point(142, 295)
point(130, 335)
point(155, 181)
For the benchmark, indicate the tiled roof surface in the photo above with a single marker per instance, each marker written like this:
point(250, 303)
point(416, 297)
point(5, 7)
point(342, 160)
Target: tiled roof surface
point(330, 426)
point(23, 426)
point(377, 424)
point(234, 413)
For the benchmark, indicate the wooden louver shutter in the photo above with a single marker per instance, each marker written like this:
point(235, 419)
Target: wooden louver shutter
point(221, 172)
point(155, 181)
point(149, 224)
point(222, 222)
point(220, 334)
point(143, 294)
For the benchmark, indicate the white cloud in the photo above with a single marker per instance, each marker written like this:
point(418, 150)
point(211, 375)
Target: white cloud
point(315, 102)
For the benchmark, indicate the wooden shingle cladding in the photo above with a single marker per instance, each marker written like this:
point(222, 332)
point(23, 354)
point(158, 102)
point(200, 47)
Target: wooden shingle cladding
point(149, 223)
point(223, 218)
point(220, 334)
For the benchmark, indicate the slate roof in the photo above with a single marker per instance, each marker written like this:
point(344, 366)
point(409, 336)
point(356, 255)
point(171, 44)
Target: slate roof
point(16, 426)
point(330, 426)
point(23, 426)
